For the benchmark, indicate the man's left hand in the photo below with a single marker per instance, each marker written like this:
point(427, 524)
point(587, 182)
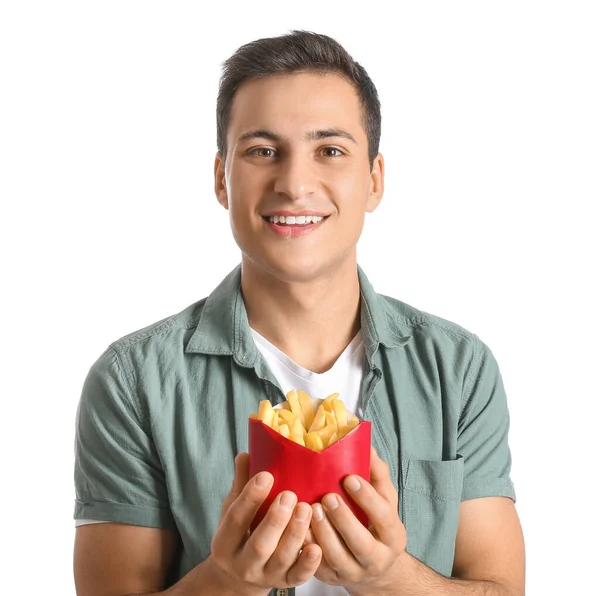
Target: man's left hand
point(360, 559)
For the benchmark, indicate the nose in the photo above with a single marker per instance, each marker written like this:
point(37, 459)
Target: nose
point(295, 177)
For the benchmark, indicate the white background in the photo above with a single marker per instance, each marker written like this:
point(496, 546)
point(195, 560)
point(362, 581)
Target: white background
point(109, 222)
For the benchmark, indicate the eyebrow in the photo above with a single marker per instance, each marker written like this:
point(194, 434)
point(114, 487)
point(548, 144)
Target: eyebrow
point(311, 135)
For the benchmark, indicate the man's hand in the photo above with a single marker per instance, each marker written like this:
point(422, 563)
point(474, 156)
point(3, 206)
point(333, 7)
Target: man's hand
point(253, 563)
point(360, 559)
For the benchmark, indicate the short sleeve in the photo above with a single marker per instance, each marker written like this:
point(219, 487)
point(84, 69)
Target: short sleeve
point(118, 474)
point(483, 430)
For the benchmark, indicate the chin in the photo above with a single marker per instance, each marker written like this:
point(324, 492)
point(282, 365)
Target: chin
point(285, 270)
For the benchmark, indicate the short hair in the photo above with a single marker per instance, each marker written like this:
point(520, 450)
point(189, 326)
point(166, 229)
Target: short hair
point(298, 51)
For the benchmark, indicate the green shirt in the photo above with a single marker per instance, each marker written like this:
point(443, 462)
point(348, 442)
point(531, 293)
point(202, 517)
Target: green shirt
point(164, 411)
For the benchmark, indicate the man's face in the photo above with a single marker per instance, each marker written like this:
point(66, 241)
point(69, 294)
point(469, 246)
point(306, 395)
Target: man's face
point(286, 170)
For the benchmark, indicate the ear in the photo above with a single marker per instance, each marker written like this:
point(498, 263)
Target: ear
point(220, 185)
point(376, 190)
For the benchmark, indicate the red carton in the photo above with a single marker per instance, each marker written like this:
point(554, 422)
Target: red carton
point(309, 474)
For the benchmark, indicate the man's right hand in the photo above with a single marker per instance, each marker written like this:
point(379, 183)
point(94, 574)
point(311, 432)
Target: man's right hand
point(253, 563)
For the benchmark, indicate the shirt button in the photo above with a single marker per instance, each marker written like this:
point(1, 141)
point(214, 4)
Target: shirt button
point(282, 592)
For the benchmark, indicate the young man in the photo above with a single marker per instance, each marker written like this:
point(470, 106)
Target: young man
point(163, 413)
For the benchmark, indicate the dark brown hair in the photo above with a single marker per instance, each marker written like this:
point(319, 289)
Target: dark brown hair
point(298, 51)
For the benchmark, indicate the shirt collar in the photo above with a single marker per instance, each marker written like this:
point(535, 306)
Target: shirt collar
point(223, 327)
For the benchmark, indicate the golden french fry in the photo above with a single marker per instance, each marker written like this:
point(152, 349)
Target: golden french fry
point(296, 420)
point(298, 427)
point(319, 421)
point(326, 432)
point(265, 412)
point(327, 402)
point(294, 402)
point(340, 412)
point(314, 441)
point(286, 416)
point(330, 418)
point(297, 437)
point(307, 409)
point(353, 422)
point(344, 430)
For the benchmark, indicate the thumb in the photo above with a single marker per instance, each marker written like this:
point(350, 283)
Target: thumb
point(240, 479)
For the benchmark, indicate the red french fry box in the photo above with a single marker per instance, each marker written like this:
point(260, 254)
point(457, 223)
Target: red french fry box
point(309, 474)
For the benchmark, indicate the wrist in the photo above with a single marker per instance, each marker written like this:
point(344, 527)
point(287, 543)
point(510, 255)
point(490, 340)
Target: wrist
point(398, 575)
point(218, 581)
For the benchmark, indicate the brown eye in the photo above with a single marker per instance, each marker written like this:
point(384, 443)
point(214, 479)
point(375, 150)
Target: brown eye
point(254, 151)
point(334, 149)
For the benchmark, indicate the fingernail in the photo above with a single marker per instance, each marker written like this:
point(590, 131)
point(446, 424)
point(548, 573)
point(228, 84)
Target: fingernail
point(302, 512)
point(318, 512)
point(331, 502)
point(287, 499)
point(352, 483)
point(263, 479)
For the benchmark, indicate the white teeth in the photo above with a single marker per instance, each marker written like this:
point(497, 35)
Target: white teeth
point(292, 220)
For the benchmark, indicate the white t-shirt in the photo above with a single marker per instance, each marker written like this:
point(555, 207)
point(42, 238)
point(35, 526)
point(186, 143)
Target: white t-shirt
point(344, 377)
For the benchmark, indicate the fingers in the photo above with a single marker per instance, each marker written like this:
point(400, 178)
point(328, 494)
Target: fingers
point(382, 514)
point(335, 552)
point(266, 536)
point(236, 520)
point(309, 538)
point(306, 566)
point(361, 543)
point(291, 541)
point(380, 479)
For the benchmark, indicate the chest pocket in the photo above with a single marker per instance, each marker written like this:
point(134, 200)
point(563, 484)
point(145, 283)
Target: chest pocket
point(431, 493)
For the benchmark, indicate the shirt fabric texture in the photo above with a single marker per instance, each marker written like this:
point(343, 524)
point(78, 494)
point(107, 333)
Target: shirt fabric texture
point(164, 411)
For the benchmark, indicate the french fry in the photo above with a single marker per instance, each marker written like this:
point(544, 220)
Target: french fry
point(265, 412)
point(353, 422)
point(326, 432)
point(327, 402)
point(314, 441)
point(275, 421)
point(286, 416)
point(344, 430)
point(284, 430)
point(340, 413)
point(296, 420)
point(294, 402)
point(319, 421)
point(307, 409)
point(298, 427)
point(330, 418)
point(297, 432)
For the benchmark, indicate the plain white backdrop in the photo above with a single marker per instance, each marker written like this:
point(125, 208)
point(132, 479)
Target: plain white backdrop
point(109, 222)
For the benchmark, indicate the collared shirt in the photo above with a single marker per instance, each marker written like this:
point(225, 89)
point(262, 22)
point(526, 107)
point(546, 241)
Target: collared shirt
point(164, 411)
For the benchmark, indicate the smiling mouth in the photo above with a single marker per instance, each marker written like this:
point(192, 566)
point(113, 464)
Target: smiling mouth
point(294, 225)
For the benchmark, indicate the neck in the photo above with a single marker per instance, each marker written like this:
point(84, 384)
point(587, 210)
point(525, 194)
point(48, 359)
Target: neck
point(312, 321)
